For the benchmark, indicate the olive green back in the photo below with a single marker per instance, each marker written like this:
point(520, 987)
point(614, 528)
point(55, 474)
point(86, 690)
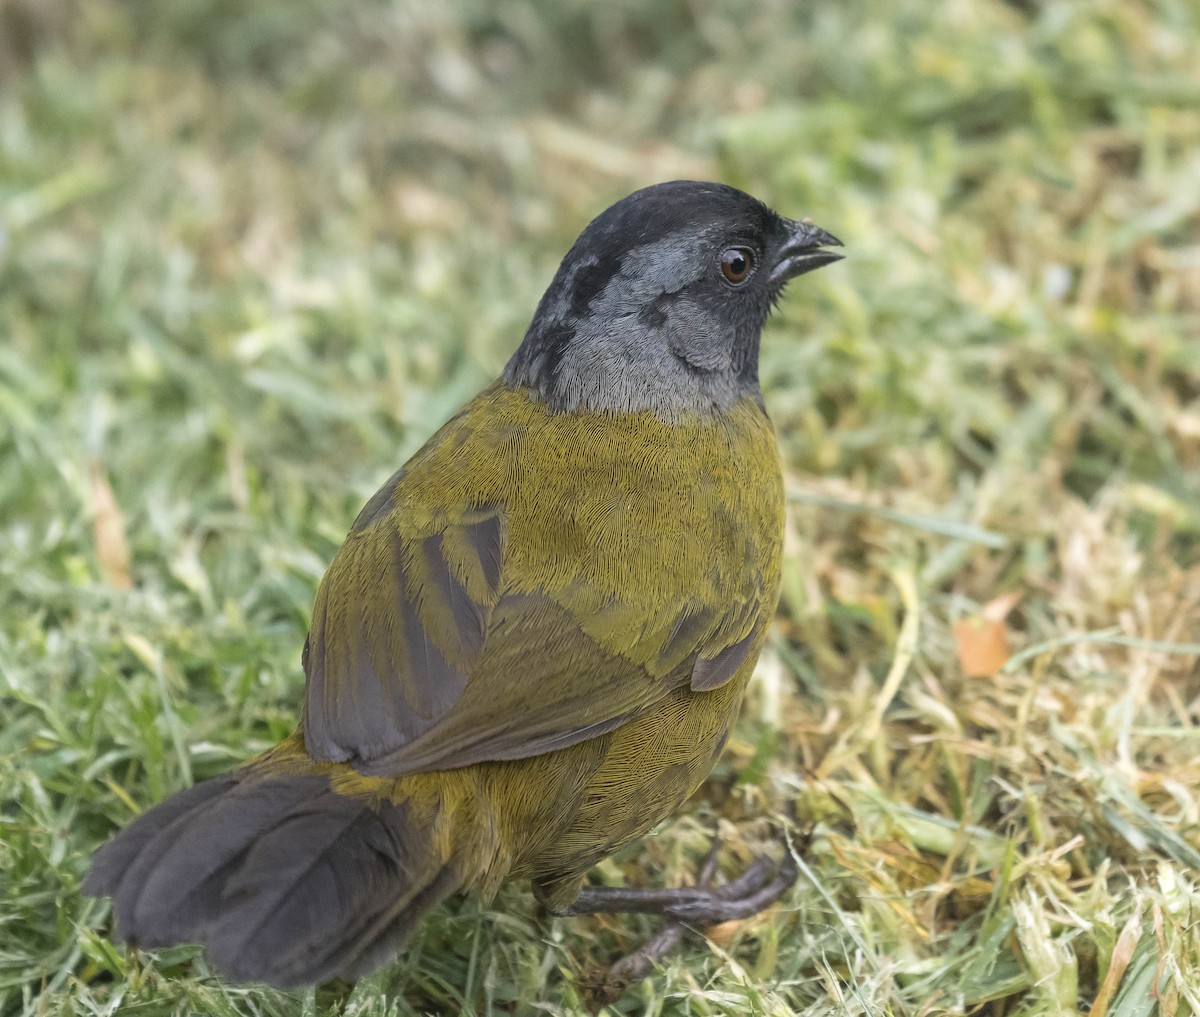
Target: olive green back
point(531, 579)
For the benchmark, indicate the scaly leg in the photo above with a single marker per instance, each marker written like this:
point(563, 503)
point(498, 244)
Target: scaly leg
point(763, 883)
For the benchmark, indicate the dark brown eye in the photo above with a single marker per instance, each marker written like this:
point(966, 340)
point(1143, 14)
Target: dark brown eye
point(736, 263)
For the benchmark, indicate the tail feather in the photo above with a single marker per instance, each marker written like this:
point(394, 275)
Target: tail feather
point(282, 905)
point(175, 888)
point(367, 884)
point(283, 879)
point(113, 860)
point(385, 937)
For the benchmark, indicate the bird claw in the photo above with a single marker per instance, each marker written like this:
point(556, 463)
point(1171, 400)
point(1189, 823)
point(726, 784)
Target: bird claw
point(760, 885)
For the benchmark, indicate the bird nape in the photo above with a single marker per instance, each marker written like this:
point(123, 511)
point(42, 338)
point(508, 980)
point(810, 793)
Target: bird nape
point(536, 637)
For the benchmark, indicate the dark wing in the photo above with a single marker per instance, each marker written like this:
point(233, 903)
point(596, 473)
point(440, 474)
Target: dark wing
point(398, 627)
point(419, 659)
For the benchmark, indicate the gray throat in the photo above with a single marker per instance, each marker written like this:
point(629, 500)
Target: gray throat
point(623, 373)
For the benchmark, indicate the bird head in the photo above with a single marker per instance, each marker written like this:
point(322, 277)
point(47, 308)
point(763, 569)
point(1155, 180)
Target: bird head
point(661, 302)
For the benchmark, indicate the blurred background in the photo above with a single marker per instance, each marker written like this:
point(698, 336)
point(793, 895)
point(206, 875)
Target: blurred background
point(251, 255)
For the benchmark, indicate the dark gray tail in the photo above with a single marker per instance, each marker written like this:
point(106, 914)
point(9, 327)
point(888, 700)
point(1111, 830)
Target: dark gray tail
point(284, 880)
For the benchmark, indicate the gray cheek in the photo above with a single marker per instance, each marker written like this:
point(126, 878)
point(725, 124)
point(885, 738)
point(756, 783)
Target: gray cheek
point(699, 338)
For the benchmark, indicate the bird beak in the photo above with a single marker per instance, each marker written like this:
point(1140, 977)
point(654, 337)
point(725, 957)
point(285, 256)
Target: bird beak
point(803, 251)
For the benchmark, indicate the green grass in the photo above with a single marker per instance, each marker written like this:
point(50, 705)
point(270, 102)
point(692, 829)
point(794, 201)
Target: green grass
point(253, 254)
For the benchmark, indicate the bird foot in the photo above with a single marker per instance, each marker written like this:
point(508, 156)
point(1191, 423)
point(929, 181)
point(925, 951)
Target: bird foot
point(702, 905)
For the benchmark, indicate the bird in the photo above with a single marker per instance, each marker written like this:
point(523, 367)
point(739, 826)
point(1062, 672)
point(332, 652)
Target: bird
point(533, 643)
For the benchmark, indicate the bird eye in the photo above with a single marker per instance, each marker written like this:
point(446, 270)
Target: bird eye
point(736, 263)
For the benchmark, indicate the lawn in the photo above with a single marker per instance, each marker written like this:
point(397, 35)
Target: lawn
point(252, 254)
